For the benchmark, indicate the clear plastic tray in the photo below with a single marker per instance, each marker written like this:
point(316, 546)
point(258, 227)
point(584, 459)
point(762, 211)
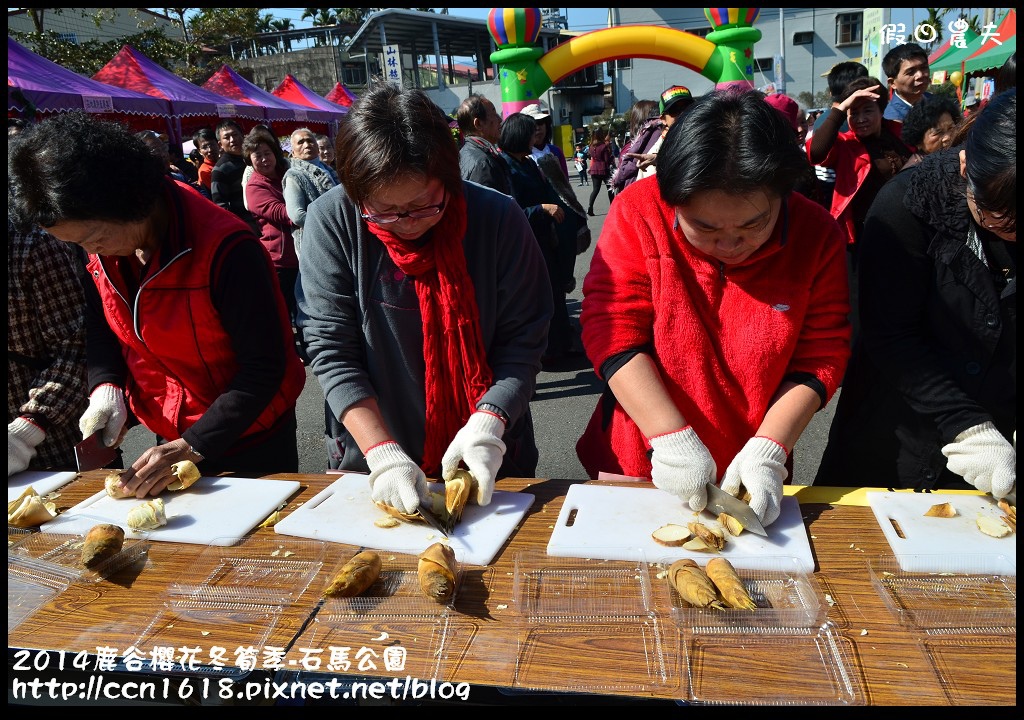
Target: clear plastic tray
point(545, 587)
point(949, 597)
point(955, 659)
point(392, 629)
point(786, 597)
point(253, 571)
point(592, 619)
point(28, 590)
point(808, 666)
point(396, 593)
point(61, 555)
point(15, 534)
point(202, 627)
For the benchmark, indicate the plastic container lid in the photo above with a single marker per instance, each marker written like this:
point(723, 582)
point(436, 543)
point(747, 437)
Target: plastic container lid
point(60, 555)
point(953, 596)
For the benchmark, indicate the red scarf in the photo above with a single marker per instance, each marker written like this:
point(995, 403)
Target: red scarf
point(457, 373)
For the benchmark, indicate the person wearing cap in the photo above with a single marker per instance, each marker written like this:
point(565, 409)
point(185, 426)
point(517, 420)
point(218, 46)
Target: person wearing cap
point(542, 137)
point(715, 310)
point(674, 101)
point(645, 126)
point(790, 110)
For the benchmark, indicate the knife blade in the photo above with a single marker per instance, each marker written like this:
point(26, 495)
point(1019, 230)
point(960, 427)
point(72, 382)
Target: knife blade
point(432, 520)
point(719, 501)
point(91, 453)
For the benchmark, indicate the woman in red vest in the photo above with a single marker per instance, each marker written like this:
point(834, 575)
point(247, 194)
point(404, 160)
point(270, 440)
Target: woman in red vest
point(186, 327)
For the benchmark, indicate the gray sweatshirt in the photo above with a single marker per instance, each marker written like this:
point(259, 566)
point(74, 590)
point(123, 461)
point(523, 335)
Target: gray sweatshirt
point(361, 321)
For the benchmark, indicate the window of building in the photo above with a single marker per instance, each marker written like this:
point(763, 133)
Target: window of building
point(353, 73)
point(68, 38)
point(803, 38)
point(764, 64)
point(699, 32)
point(849, 28)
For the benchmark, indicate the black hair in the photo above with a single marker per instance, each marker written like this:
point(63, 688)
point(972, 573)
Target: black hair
point(991, 158)
point(862, 83)
point(517, 133)
point(260, 135)
point(922, 117)
point(391, 133)
point(44, 188)
point(894, 59)
point(472, 108)
point(842, 74)
point(730, 141)
point(1006, 78)
point(204, 134)
point(226, 124)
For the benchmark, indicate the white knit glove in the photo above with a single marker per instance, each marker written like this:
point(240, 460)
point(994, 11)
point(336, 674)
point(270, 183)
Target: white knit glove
point(395, 479)
point(681, 465)
point(22, 438)
point(760, 467)
point(106, 410)
point(984, 458)
point(480, 446)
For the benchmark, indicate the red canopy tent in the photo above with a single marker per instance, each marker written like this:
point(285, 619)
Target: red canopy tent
point(284, 115)
point(341, 95)
point(37, 86)
point(193, 106)
point(292, 90)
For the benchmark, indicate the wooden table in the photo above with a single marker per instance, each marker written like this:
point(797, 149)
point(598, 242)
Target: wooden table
point(486, 643)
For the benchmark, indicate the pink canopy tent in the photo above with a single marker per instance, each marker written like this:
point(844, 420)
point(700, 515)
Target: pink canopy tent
point(341, 95)
point(194, 107)
point(292, 90)
point(37, 86)
point(286, 116)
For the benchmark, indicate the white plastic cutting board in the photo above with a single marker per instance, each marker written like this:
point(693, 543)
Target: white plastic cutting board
point(214, 511)
point(344, 513)
point(615, 523)
point(41, 481)
point(928, 542)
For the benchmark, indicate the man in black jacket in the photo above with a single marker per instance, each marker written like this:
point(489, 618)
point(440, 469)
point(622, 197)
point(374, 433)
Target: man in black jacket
point(226, 178)
point(479, 159)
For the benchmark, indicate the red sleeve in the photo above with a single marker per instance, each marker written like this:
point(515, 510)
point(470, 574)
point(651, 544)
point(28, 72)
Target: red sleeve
point(617, 312)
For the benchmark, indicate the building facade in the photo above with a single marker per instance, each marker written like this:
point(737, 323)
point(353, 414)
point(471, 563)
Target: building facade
point(79, 25)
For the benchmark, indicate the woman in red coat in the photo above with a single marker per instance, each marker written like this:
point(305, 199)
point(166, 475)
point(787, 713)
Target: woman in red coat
point(265, 199)
point(715, 309)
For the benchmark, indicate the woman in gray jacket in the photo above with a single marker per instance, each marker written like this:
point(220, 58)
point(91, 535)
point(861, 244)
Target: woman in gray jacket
point(425, 305)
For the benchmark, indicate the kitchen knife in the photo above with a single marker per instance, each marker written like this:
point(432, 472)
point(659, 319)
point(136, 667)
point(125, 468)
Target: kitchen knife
point(91, 453)
point(719, 501)
point(433, 521)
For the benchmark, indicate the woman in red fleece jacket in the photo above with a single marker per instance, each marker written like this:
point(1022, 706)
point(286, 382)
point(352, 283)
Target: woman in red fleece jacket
point(715, 309)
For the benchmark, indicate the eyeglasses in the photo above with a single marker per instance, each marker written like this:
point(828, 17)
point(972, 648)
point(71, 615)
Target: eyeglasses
point(997, 222)
point(415, 214)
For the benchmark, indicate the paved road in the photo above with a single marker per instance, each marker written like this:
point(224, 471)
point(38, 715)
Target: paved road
point(566, 397)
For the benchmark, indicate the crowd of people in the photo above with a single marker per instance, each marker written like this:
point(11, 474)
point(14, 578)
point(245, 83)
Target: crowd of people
point(735, 290)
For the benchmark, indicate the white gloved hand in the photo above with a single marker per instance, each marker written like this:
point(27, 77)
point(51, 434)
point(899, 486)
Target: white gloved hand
point(480, 446)
point(681, 465)
point(23, 436)
point(760, 467)
point(395, 479)
point(106, 410)
point(984, 458)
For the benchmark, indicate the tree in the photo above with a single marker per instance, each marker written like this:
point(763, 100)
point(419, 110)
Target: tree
point(934, 22)
point(284, 25)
